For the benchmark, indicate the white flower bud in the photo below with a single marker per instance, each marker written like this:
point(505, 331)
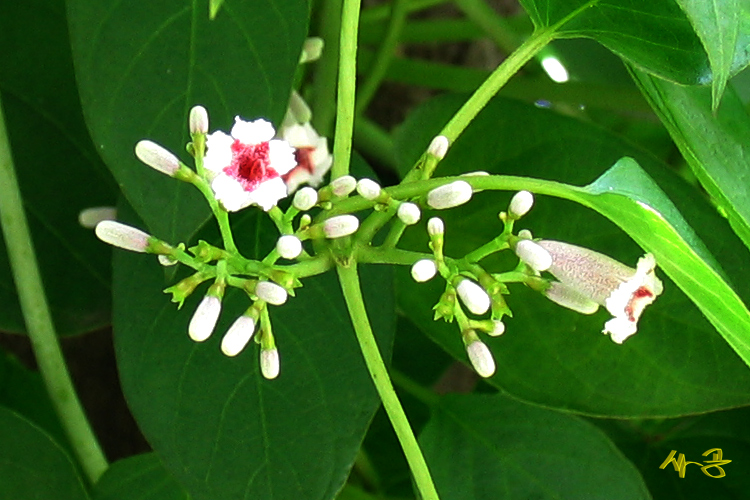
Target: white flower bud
point(269, 363)
point(305, 198)
point(439, 147)
point(122, 236)
point(343, 186)
point(474, 296)
point(299, 111)
point(198, 120)
point(271, 293)
point(534, 255)
point(167, 260)
point(289, 246)
point(481, 358)
point(157, 157)
point(409, 213)
point(477, 173)
point(204, 319)
point(368, 189)
point(498, 328)
point(435, 226)
point(340, 226)
point(520, 204)
point(450, 195)
point(90, 217)
point(570, 298)
point(238, 335)
point(312, 48)
point(423, 270)
point(525, 234)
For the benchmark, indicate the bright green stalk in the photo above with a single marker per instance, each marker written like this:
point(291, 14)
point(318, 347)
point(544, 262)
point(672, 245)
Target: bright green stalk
point(38, 319)
point(350, 285)
point(399, 9)
point(342, 147)
point(495, 82)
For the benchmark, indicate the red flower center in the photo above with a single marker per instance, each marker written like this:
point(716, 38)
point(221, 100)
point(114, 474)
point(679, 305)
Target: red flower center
point(250, 165)
point(303, 156)
point(630, 309)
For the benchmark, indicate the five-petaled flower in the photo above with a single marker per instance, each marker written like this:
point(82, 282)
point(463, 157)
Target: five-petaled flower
point(247, 167)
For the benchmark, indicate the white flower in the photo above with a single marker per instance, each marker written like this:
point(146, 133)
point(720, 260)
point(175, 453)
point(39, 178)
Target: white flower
point(312, 159)
point(537, 257)
point(409, 213)
point(122, 236)
point(271, 293)
point(520, 204)
point(439, 147)
point(588, 279)
point(269, 363)
point(157, 157)
point(198, 120)
point(90, 217)
point(435, 226)
point(247, 167)
point(289, 246)
point(423, 270)
point(238, 335)
point(340, 226)
point(449, 195)
point(344, 185)
point(204, 319)
point(368, 189)
point(474, 296)
point(481, 358)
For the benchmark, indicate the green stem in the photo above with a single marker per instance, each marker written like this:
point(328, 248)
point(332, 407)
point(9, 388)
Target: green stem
point(376, 73)
point(374, 142)
point(324, 83)
point(496, 26)
point(510, 66)
point(350, 286)
point(342, 147)
point(38, 319)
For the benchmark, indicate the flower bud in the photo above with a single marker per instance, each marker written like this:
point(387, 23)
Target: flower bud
point(271, 293)
point(198, 120)
point(167, 260)
point(368, 189)
point(305, 199)
point(481, 358)
point(204, 319)
point(525, 234)
point(534, 255)
point(157, 157)
point(497, 329)
point(520, 204)
point(423, 270)
point(476, 299)
point(238, 335)
point(90, 217)
point(312, 48)
point(343, 186)
point(449, 195)
point(409, 213)
point(435, 226)
point(122, 236)
point(269, 363)
point(439, 147)
point(289, 246)
point(340, 226)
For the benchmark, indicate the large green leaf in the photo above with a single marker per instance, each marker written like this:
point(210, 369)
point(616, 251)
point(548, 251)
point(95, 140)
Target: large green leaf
point(140, 477)
point(32, 465)
point(141, 67)
point(654, 35)
point(222, 430)
point(57, 166)
point(481, 446)
point(555, 356)
point(716, 145)
point(724, 29)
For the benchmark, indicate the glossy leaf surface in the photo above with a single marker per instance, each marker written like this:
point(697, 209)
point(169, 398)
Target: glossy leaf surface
point(139, 477)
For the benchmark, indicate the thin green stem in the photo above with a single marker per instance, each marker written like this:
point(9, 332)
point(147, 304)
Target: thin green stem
point(385, 52)
point(484, 16)
point(350, 286)
point(380, 12)
point(414, 388)
point(324, 83)
point(38, 319)
point(510, 66)
point(342, 147)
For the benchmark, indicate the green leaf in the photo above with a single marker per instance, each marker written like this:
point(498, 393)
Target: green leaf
point(716, 145)
point(224, 431)
point(33, 465)
point(142, 66)
point(140, 477)
point(724, 29)
point(557, 357)
point(654, 35)
point(481, 446)
point(58, 169)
